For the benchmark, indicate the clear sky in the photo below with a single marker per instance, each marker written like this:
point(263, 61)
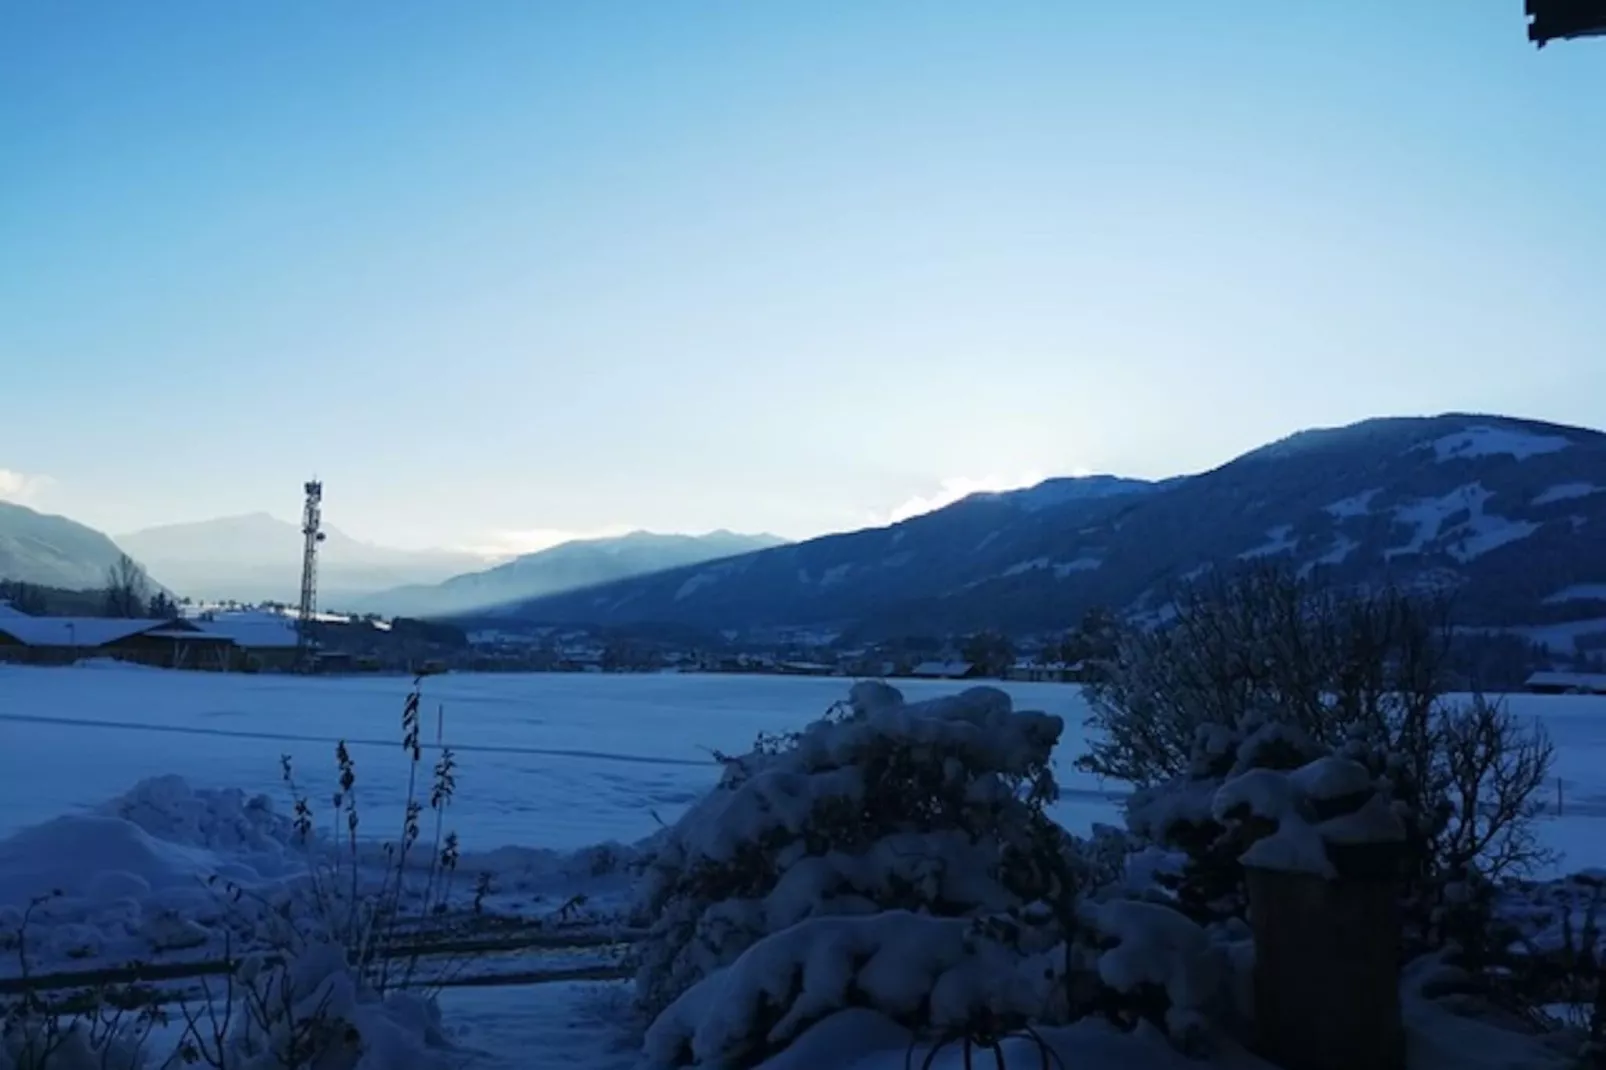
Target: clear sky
point(512, 267)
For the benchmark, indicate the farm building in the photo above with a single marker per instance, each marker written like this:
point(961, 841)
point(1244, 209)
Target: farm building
point(61, 640)
point(1548, 683)
point(223, 643)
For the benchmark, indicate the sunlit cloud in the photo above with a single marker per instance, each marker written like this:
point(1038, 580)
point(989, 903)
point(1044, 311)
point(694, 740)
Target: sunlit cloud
point(504, 544)
point(20, 487)
point(954, 488)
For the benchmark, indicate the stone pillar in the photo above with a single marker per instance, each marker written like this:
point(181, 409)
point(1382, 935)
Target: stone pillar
point(1327, 963)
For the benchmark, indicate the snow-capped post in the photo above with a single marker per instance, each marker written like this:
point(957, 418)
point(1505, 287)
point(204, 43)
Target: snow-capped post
point(1324, 899)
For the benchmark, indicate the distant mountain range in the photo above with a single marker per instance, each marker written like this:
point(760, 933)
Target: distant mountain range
point(257, 557)
point(572, 565)
point(52, 551)
point(1509, 514)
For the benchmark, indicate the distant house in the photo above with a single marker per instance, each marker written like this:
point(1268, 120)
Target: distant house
point(1545, 683)
point(1052, 671)
point(805, 668)
point(944, 670)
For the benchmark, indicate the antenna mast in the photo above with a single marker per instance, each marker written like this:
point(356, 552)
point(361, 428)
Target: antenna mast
point(312, 532)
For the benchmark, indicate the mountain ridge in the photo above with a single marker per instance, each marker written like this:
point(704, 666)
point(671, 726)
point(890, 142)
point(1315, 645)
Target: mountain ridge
point(567, 566)
point(1508, 512)
point(53, 551)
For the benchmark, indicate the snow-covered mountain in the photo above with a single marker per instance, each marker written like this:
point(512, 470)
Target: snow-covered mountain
point(258, 557)
point(566, 567)
point(1509, 513)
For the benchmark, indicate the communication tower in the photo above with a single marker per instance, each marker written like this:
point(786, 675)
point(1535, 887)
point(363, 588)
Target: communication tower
point(312, 533)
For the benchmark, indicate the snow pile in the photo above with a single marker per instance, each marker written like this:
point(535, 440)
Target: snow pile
point(315, 1010)
point(129, 880)
point(167, 868)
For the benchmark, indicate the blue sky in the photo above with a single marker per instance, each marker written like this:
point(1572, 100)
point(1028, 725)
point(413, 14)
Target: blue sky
point(501, 270)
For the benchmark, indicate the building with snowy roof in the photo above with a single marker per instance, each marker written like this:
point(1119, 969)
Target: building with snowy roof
point(1555, 683)
point(944, 670)
point(265, 640)
point(63, 640)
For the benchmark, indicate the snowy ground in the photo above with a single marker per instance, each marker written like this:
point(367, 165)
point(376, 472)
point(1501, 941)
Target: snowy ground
point(552, 763)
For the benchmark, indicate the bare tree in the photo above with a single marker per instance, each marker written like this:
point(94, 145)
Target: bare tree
point(1364, 667)
point(126, 589)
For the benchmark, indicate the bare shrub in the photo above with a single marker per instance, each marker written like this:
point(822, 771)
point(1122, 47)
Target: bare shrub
point(1358, 672)
point(379, 925)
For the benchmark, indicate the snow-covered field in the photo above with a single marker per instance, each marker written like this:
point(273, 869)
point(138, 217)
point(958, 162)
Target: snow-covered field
point(548, 765)
point(555, 760)
point(551, 760)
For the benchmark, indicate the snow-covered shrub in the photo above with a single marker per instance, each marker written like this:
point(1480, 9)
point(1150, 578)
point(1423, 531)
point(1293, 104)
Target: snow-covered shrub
point(888, 806)
point(895, 856)
point(883, 810)
point(938, 971)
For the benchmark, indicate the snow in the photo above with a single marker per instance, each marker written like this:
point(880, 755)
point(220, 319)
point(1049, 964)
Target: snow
point(1331, 778)
point(1487, 441)
point(705, 578)
point(1353, 506)
point(1288, 799)
point(79, 632)
point(1157, 945)
point(253, 631)
point(1564, 638)
point(1473, 537)
point(1562, 492)
point(1342, 547)
point(1579, 592)
point(1279, 540)
point(563, 762)
point(835, 574)
point(1061, 568)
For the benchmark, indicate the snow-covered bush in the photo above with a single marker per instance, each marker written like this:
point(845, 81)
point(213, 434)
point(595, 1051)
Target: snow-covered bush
point(886, 805)
point(938, 971)
point(895, 856)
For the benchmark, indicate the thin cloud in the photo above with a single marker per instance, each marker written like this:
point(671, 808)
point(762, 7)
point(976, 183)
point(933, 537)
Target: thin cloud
point(21, 487)
point(502, 544)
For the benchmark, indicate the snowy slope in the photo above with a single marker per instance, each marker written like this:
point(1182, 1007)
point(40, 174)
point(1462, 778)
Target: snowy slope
point(1507, 512)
